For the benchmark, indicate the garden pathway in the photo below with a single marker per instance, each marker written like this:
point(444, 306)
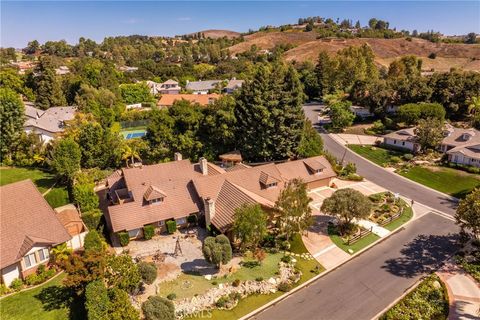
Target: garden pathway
point(376, 229)
point(463, 292)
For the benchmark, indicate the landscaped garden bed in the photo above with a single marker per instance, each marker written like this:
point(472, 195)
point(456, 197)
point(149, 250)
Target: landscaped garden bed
point(428, 301)
point(469, 259)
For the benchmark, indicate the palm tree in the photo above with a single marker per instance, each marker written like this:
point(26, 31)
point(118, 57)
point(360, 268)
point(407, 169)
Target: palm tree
point(60, 254)
point(131, 152)
point(474, 106)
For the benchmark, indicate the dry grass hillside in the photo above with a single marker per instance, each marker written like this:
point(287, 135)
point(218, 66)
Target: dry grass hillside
point(215, 34)
point(307, 47)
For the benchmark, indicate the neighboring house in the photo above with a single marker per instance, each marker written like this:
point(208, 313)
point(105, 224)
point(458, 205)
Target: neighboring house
point(72, 222)
point(233, 85)
point(167, 100)
point(29, 229)
point(361, 112)
point(127, 69)
point(49, 123)
point(154, 194)
point(134, 106)
point(202, 87)
point(462, 146)
point(169, 87)
point(62, 70)
point(404, 139)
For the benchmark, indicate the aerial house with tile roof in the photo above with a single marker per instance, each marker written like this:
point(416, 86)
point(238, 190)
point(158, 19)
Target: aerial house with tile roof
point(29, 229)
point(153, 194)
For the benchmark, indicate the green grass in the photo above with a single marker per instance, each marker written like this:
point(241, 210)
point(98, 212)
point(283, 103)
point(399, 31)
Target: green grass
point(406, 216)
point(43, 180)
point(48, 302)
point(447, 180)
point(57, 197)
point(357, 246)
point(377, 155)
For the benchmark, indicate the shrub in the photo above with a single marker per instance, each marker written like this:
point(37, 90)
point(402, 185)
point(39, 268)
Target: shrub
point(16, 285)
point(85, 196)
point(214, 283)
point(192, 219)
point(4, 289)
point(259, 279)
point(408, 156)
point(251, 264)
point(49, 273)
point(284, 287)
point(93, 241)
point(217, 250)
point(286, 259)
point(236, 282)
point(432, 55)
point(148, 272)
point(172, 296)
point(377, 197)
point(124, 238)
point(354, 177)
point(92, 218)
point(158, 308)
point(395, 159)
point(268, 241)
point(285, 245)
point(148, 232)
point(222, 302)
point(260, 254)
point(33, 279)
point(171, 226)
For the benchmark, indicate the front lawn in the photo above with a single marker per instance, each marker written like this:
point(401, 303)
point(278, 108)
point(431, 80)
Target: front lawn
point(50, 301)
point(378, 155)
point(454, 182)
point(56, 197)
point(428, 301)
point(355, 247)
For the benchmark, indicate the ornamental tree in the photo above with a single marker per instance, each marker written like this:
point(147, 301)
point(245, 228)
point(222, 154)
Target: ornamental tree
point(217, 250)
point(468, 213)
point(250, 225)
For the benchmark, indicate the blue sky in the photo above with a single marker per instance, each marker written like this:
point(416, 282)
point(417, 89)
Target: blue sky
point(22, 21)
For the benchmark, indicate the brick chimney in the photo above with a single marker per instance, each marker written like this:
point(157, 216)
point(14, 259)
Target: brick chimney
point(209, 210)
point(203, 166)
point(177, 156)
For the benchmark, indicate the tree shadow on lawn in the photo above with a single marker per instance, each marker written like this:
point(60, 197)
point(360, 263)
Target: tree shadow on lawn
point(45, 183)
point(58, 297)
point(425, 254)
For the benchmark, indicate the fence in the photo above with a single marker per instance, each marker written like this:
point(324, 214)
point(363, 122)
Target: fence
point(134, 123)
point(390, 219)
point(359, 236)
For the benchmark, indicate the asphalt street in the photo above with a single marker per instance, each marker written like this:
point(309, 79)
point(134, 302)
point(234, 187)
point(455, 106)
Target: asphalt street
point(366, 285)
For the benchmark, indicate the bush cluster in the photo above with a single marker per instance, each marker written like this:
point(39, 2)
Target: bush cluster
point(42, 275)
point(148, 272)
point(171, 226)
point(124, 238)
point(148, 232)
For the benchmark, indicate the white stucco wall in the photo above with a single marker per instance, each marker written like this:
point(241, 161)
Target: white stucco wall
point(399, 144)
point(45, 136)
point(77, 241)
point(460, 158)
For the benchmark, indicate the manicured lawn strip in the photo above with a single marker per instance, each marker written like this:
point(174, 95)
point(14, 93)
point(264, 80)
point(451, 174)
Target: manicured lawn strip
point(427, 301)
point(43, 180)
point(57, 197)
point(451, 181)
point(379, 155)
point(48, 302)
point(406, 216)
point(244, 307)
point(357, 246)
point(297, 245)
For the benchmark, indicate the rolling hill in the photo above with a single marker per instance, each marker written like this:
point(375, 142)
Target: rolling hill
point(307, 47)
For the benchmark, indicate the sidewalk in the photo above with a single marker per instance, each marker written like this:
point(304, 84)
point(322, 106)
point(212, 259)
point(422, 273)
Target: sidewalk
point(463, 292)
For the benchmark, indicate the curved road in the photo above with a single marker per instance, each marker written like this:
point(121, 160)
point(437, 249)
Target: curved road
point(367, 284)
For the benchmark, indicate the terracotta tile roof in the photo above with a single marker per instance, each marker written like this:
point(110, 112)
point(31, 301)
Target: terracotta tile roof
point(70, 219)
point(234, 156)
point(26, 219)
point(167, 100)
point(300, 169)
point(237, 166)
point(153, 193)
point(229, 199)
point(174, 179)
point(267, 179)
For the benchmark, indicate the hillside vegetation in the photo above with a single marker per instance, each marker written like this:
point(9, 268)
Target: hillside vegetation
point(307, 47)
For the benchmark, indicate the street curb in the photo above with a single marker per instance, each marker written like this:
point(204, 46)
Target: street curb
point(303, 285)
point(399, 175)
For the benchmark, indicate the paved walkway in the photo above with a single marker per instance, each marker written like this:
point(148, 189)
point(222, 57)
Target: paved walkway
point(376, 229)
point(344, 139)
point(463, 292)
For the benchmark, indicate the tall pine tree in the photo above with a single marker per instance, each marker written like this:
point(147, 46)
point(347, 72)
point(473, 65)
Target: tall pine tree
point(47, 86)
point(269, 114)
